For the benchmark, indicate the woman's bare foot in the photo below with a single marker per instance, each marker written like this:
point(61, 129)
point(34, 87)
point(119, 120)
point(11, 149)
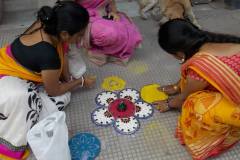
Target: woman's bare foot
point(118, 61)
point(170, 89)
point(99, 60)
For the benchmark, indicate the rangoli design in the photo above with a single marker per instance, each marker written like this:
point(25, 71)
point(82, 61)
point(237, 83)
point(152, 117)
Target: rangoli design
point(121, 110)
point(113, 83)
point(84, 146)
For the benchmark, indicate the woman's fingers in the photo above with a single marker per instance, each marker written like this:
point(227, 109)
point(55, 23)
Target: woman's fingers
point(159, 102)
point(161, 89)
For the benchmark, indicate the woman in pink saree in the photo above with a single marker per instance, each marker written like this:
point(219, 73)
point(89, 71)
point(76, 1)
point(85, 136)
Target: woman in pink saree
point(111, 35)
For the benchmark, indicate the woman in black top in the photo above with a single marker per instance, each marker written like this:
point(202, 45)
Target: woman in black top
point(36, 57)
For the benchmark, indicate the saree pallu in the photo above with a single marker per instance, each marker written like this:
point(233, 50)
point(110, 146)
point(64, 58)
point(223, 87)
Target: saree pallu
point(210, 121)
point(9, 66)
point(107, 37)
point(21, 101)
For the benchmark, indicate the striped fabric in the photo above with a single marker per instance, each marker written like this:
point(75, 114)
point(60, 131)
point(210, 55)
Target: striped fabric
point(221, 76)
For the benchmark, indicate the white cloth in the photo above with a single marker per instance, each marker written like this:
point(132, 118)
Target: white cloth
point(53, 104)
point(21, 105)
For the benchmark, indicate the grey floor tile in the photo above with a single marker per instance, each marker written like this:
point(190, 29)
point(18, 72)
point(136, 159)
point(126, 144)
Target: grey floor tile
point(150, 64)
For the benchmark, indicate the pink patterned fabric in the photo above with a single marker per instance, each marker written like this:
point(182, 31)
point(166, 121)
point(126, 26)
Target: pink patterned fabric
point(13, 154)
point(108, 37)
point(91, 4)
point(232, 61)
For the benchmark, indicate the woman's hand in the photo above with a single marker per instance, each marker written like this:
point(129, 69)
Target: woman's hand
point(54, 88)
point(170, 89)
point(115, 16)
point(89, 81)
point(166, 105)
point(162, 106)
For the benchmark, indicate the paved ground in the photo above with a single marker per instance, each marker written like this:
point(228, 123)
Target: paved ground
point(155, 140)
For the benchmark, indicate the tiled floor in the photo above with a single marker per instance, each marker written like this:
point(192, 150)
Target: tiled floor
point(155, 140)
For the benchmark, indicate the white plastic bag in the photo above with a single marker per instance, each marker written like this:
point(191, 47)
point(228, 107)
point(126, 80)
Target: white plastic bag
point(77, 66)
point(48, 139)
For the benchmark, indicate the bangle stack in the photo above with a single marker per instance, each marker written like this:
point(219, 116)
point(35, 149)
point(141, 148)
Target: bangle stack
point(168, 106)
point(82, 81)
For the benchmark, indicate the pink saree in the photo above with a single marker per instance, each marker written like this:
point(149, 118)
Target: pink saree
point(107, 37)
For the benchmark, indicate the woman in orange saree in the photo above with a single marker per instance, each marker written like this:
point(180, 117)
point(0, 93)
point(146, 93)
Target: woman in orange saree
point(209, 90)
point(34, 74)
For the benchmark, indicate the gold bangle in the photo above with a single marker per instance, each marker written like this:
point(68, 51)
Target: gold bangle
point(82, 81)
point(175, 87)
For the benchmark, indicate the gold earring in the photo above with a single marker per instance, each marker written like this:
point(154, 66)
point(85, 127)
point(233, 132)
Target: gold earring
point(182, 60)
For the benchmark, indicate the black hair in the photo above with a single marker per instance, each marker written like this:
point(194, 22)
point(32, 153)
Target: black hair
point(64, 16)
point(179, 35)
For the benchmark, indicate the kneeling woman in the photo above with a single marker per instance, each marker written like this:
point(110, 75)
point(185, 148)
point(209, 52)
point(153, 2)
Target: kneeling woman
point(209, 93)
point(111, 36)
point(33, 59)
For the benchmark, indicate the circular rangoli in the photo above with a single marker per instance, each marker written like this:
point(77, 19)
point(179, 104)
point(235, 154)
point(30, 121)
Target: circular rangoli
point(122, 110)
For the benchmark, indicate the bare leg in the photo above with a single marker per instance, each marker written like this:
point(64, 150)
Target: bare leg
point(98, 59)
